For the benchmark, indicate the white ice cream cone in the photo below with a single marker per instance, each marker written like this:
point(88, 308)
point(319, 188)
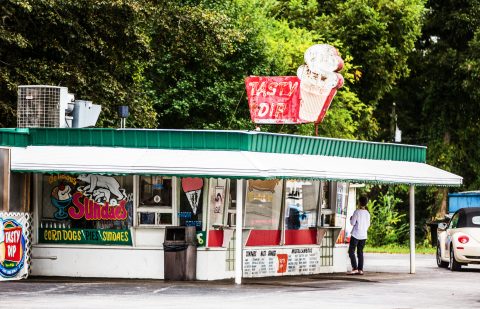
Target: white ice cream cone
point(193, 198)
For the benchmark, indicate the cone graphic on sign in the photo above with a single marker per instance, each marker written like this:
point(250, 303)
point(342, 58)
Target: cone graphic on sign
point(192, 188)
point(320, 81)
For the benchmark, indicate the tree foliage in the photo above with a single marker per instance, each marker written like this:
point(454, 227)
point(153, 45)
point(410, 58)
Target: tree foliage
point(377, 37)
point(201, 58)
point(182, 64)
point(98, 49)
point(439, 102)
point(388, 225)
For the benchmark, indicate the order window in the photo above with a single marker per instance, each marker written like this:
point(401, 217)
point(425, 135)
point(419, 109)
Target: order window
point(301, 204)
point(155, 201)
point(263, 204)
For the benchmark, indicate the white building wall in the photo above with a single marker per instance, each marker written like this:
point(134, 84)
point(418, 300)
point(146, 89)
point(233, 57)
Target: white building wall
point(139, 263)
point(211, 264)
point(115, 262)
point(144, 260)
point(148, 237)
point(340, 259)
point(94, 261)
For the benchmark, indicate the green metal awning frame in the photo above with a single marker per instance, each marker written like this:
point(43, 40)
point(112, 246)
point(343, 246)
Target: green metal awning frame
point(211, 140)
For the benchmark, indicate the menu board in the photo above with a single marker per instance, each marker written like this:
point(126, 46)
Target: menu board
point(280, 262)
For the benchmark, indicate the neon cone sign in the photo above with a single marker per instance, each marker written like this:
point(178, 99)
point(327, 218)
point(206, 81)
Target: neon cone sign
point(297, 99)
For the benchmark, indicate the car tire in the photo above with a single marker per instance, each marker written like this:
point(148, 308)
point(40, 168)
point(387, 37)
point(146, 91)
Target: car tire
point(440, 263)
point(454, 265)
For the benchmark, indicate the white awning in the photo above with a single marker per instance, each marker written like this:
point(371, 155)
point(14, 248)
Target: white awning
point(224, 164)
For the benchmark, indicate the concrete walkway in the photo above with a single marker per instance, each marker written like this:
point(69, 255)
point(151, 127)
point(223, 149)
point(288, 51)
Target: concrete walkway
point(386, 284)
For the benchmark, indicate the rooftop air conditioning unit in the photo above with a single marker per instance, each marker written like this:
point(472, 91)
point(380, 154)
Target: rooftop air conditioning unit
point(41, 106)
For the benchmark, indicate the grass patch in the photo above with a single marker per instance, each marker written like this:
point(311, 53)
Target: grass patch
point(420, 249)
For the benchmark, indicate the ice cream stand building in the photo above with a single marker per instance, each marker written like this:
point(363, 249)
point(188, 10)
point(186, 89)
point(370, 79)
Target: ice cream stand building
point(112, 202)
point(262, 204)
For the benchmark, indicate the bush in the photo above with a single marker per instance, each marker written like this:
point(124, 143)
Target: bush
point(388, 226)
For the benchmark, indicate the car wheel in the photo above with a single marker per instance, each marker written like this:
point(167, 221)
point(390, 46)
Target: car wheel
point(454, 265)
point(440, 263)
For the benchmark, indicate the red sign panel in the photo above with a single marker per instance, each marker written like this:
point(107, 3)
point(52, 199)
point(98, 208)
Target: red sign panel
point(13, 248)
point(273, 99)
point(289, 100)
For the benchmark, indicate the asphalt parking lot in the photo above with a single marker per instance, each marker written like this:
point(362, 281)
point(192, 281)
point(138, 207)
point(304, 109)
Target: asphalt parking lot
point(386, 284)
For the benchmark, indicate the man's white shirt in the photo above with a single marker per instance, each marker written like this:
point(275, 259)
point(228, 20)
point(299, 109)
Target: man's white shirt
point(360, 221)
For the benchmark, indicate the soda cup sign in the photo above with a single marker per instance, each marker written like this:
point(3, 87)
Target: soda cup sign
point(282, 263)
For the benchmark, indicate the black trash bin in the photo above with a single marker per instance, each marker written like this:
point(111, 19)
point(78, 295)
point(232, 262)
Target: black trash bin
point(434, 229)
point(433, 232)
point(180, 253)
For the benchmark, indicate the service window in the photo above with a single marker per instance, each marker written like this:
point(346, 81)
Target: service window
point(86, 209)
point(301, 204)
point(341, 202)
point(326, 212)
point(325, 195)
point(232, 203)
point(155, 201)
point(341, 198)
point(20, 186)
point(263, 204)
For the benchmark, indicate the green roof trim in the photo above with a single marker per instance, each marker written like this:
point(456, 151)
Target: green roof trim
point(211, 140)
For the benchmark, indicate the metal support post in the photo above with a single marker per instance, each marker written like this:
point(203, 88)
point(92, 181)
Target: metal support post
point(238, 233)
point(412, 229)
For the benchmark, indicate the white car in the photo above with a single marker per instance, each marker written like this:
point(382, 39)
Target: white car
point(459, 242)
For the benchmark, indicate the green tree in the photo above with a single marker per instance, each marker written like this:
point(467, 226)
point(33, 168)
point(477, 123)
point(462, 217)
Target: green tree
point(439, 102)
point(182, 64)
point(201, 56)
point(377, 35)
point(388, 225)
point(98, 49)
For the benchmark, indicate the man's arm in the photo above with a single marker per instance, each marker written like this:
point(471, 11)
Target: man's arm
point(353, 218)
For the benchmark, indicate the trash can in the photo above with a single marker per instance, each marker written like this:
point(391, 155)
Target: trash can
point(180, 253)
point(433, 232)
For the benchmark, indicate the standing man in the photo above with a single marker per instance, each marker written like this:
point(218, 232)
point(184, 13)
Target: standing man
point(360, 222)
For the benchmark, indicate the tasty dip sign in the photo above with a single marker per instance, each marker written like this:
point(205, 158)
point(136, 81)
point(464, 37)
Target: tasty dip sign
point(297, 99)
point(14, 246)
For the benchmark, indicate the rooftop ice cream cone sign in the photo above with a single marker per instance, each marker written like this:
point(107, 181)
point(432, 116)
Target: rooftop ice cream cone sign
point(192, 188)
point(297, 99)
